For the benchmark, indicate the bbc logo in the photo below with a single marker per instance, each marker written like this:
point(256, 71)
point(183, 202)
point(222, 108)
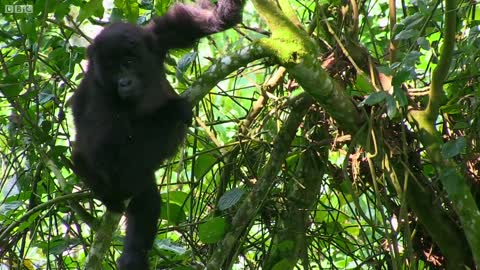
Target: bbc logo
point(18, 9)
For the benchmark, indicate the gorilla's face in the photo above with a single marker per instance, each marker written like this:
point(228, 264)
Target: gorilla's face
point(123, 61)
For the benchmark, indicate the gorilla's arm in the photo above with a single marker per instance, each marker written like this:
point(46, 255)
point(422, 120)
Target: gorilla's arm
point(183, 24)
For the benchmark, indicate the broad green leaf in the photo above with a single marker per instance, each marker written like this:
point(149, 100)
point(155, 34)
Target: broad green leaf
point(131, 10)
point(385, 70)
point(284, 264)
point(27, 28)
point(454, 148)
point(400, 95)
point(400, 77)
point(11, 86)
point(363, 83)
point(172, 212)
point(203, 164)
point(162, 6)
point(58, 245)
point(333, 227)
point(411, 59)
point(230, 198)
point(409, 20)
point(423, 43)
point(407, 34)
point(454, 108)
point(18, 59)
point(183, 65)
point(178, 197)
point(89, 9)
point(415, 22)
point(212, 230)
point(461, 125)
point(168, 245)
point(40, 6)
point(391, 107)
point(61, 10)
point(374, 98)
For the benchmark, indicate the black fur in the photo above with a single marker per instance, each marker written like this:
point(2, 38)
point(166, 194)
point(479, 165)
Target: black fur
point(129, 119)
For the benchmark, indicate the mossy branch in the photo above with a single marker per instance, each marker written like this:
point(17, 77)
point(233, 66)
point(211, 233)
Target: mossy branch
point(227, 249)
point(293, 48)
point(453, 181)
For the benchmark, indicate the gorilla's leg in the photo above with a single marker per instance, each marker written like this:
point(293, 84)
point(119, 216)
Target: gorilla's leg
point(142, 216)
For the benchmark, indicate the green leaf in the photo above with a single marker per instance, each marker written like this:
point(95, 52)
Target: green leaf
point(166, 244)
point(186, 60)
point(11, 86)
point(89, 9)
point(454, 148)
point(18, 59)
point(461, 125)
point(411, 59)
point(172, 212)
point(363, 83)
point(414, 21)
point(454, 108)
point(203, 164)
point(407, 34)
point(41, 6)
point(9, 206)
point(230, 198)
point(131, 10)
point(423, 43)
point(212, 230)
point(161, 7)
point(117, 15)
point(183, 65)
point(374, 98)
point(27, 28)
point(400, 77)
point(31, 219)
point(59, 57)
point(178, 197)
point(61, 10)
point(333, 227)
point(385, 70)
point(400, 95)
point(58, 245)
point(283, 265)
point(391, 107)
point(410, 20)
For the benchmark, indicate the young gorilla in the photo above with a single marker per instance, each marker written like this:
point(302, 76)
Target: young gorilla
point(129, 119)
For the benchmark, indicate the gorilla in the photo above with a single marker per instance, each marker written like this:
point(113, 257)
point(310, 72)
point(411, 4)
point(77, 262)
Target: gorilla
point(129, 119)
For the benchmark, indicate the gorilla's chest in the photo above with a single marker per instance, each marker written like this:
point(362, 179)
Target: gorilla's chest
point(150, 138)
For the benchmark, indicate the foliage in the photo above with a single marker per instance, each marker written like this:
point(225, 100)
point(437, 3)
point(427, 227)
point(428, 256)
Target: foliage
point(336, 135)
